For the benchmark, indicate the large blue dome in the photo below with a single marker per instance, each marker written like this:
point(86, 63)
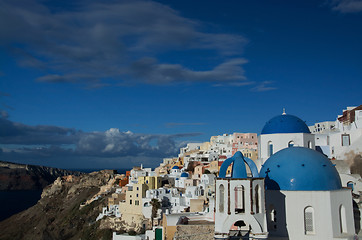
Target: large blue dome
point(300, 169)
point(285, 124)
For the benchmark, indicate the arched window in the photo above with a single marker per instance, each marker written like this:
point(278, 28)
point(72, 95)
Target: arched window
point(309, 220)
point(342, 219)
point(272, 217)
point(257, 199)
point(290, 143)
point(221, 197)
point(310, 145)
point(270, 148)
point(239, 199)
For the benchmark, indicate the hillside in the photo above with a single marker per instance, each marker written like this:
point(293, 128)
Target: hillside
point(15, 176)
point(59, 214)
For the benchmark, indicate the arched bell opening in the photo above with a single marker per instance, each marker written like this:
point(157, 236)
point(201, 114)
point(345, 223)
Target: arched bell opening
point(240, 230)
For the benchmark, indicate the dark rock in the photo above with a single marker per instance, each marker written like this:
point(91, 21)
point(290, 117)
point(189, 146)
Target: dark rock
point(15, 176)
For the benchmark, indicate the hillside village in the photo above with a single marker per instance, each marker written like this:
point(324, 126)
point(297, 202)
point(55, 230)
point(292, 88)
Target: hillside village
point(181, 199)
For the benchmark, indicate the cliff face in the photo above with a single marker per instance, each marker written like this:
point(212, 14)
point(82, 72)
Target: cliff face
point(67, 209)
point(28, 177)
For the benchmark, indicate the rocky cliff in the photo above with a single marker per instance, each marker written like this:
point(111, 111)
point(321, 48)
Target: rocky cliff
point(67, 209)
point(28, 177)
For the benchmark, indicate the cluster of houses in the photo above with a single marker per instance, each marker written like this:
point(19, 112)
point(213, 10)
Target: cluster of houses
point(290, 182)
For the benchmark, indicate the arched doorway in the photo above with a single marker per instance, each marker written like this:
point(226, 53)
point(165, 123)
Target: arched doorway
point(240, 230)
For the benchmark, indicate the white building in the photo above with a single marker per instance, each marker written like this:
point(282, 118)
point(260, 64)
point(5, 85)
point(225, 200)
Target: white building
point(281, 132)
point(180, 182)
point(322, 127)
point(305, 198)
point(344, 140)
point(207, 179)
point(137, 172)
point(112, 210)
point(190, 147)
point(240, 202)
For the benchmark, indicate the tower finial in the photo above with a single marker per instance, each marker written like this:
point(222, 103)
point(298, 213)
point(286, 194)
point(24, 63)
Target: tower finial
point(284, 111)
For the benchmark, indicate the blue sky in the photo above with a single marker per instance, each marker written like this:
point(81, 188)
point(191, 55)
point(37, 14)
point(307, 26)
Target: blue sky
point(93, 84)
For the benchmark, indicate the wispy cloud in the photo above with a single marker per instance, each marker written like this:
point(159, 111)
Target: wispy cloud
point(53, 144)
point(95, 43)
point(346, 6)
point(150, 71)
point(264, 86)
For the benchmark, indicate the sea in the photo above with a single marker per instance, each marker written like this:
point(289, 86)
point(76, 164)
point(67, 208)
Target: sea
point(12, 202)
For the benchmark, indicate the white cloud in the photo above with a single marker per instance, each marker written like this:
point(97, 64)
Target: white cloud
point(54, 144)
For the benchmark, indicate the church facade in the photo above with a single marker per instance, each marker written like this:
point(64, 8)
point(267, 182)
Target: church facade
point(296, 194)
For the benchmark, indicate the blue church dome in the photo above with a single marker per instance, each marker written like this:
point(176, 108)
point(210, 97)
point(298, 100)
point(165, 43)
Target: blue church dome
point(285, 124)
point(300, 169)
point(184, 174)
point(175, 167)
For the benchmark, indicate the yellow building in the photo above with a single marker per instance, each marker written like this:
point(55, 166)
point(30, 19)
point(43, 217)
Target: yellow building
point(250, 153)
point(161, 170)
point(131, 207)
point(213, 166)
point(198, 171)
point(115, 199)
point(152, 182)
point(205, 146)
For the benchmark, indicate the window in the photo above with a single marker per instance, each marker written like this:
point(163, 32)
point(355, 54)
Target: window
point(345, 140)
point(239, 199)
point(309, 220)
point(291, 144)
point(130, 201)
point(221, 197)
point(137, 202)
point(270, 148)
point(342, 219)
point(273, 215)
point(310, 144)
point(257, 199)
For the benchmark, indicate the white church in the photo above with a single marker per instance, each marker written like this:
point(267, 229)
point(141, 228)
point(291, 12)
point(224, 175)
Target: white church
point(297, 194)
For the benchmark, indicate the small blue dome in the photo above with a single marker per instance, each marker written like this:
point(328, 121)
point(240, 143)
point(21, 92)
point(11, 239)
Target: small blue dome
point(175, 167)
point(238, 169)
point(184, 174)
point(285, 124)
point(300, 169)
